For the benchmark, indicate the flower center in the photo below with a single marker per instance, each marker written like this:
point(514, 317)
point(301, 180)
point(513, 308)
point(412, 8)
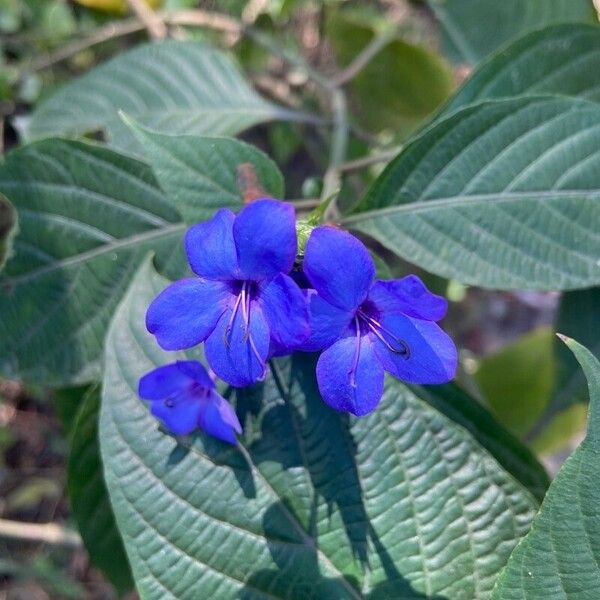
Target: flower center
point(368, 320)
point(245, 293)
point(194, 389)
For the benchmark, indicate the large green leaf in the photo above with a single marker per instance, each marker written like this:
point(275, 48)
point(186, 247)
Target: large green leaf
point(474, 28)
point(517, 380)
point(7, 228)
point(503, 194)
point(201, 174)
point(89, 497)
point(172, 86)
point(403, 503)
point(563, 59)
point(516, 458)
point(87, 216)
point(401, 85)
point(560, 557)
point(579, 318)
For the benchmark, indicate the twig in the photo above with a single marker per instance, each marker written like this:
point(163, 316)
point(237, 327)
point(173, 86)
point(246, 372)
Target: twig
point(156, 23)
point(364, 57)
point(305, 204)
point(339, 145)
point(367, 161)
point(203, 18)
point(253, 9)
point(49, 533)
point(380, 41)
point(291, 58)
point(103, 34)
point(152, 22)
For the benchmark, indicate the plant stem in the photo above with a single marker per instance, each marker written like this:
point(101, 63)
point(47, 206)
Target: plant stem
point(155, 25)
point(49, 533)
point(367, 161)
point(364, 57)
point(339, 146)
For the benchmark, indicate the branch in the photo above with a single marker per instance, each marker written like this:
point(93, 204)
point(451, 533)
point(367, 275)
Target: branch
point(367, 161)
point(156, 23)
point(380, 41)
point(364, 57)
point(339, 146)
point(203, 18)
point(48, 533)
point(103, 34)
point(152, 22)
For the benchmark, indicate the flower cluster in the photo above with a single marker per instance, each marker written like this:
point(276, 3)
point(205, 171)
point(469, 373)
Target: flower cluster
point(246, 307)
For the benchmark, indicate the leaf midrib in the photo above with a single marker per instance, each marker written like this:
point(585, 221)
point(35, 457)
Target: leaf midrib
point(308, 541)
point(91, 254)
point(425, 205)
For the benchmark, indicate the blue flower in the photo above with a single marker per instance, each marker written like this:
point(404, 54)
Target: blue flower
point(366, 327)
point(184, 399)
point(243, 303)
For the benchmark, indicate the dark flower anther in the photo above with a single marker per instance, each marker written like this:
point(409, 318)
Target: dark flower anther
point(183, 398)
point(366, 327)
point(243, 304)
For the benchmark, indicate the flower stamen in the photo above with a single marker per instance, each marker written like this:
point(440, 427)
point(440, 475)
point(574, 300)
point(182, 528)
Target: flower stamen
point(246, 317)
point(356, 357)
point(228, 329)
point(377, 328)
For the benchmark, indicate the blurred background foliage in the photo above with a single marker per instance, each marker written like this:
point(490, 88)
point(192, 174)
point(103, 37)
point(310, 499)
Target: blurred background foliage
point(412, 56)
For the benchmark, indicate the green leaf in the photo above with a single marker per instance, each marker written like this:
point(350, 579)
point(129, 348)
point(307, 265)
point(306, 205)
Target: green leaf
point(562, 59)
point(517, 380)
point(171, 87)
point(403, 503)
point(560, 430)
point(87, 217)
point(66, 403)
point(400, 86)
point(474, 28)
point(579, 318)
point(515, 457)
point(202, 174)
point(89, 497)
point(503, 194)
point(560, 557)
point(8, 221)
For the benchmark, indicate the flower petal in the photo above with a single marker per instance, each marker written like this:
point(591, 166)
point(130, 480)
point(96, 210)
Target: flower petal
point(179, 415)
point(339, 267)
point(185, 313)
point(327, 323)
point(217, 418)
point(432, 355)
point(238, 354)
point(358, 392)
point(265, 238)
point(285, 308)
point(172, 378)
point(210, 247)
point(408, 296)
